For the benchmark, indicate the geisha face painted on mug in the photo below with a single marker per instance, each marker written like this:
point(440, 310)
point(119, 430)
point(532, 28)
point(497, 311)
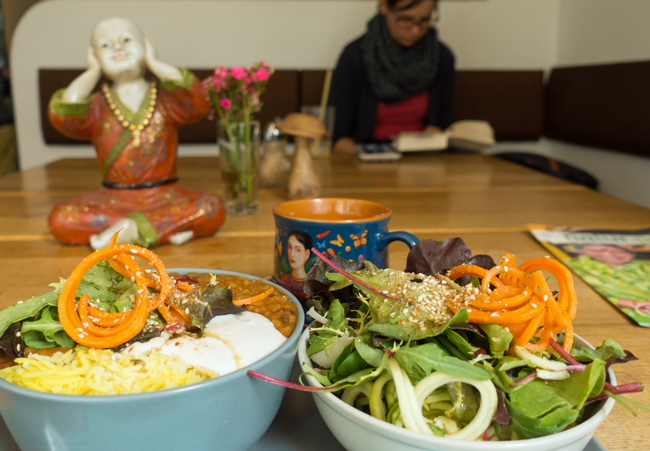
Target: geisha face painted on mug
point(355, 229)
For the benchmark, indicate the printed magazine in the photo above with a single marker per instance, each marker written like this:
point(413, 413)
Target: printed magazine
point(616, 263)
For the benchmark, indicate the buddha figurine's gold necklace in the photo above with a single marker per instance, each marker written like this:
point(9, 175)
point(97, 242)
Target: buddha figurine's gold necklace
point(136, 128)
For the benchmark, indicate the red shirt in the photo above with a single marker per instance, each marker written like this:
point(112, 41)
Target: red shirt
point(407, 116)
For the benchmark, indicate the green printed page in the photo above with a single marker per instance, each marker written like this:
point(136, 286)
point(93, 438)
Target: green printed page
point(616, 263)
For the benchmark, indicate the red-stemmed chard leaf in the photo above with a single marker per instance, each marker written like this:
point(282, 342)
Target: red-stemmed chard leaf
point(290, 385)
point(565, 355)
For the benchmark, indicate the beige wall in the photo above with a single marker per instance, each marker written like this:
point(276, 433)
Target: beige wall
point(594, 32)
point(602, 31)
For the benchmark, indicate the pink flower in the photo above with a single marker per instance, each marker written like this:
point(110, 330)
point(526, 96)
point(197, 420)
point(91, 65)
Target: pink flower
point(238, 72)
point(262, 74)
point(225, 103)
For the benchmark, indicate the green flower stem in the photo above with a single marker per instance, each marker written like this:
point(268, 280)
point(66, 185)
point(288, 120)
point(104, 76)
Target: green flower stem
point(245, 175)
point(231, 153)
point(248, 158)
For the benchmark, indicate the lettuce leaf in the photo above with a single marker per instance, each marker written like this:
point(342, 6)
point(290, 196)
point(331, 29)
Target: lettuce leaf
point(46, 332)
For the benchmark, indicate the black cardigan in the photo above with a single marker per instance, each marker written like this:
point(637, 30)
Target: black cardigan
point(356, 105)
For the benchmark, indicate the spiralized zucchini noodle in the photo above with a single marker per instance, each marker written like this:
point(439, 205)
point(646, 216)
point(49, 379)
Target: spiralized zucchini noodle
point(411, 400)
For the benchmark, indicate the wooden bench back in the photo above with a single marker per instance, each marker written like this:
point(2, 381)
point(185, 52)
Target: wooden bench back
point(512, 101)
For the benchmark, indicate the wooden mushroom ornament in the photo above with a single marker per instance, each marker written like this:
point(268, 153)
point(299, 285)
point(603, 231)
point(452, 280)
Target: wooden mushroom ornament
point(303, 181)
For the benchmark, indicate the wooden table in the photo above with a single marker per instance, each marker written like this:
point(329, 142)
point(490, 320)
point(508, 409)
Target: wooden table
point(486, 201)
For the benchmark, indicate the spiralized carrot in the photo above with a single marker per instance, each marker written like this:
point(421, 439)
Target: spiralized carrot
point(256, 298)
point(89, 326)
point(518, 297)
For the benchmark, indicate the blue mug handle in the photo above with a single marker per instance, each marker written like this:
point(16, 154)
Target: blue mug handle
point(385, 238)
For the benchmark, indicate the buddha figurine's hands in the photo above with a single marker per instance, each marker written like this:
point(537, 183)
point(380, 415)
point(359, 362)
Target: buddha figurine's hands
point(79, 90)
point(161, 70)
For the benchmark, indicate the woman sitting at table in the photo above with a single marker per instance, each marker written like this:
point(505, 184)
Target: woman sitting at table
point(133, 125)
point(396, 77)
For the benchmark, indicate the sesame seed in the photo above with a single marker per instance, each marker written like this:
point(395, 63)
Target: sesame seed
point(494, 314)
point(505, 268)
point(134, 251)
point(18, 334)
point(534, 305)
point(18, 347)
point(545, 297)
point(19, 302)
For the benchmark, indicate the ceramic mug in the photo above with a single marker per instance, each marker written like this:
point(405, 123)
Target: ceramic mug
point(355, 229)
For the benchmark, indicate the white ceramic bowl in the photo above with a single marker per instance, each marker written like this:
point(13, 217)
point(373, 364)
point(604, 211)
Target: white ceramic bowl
point(358, 431)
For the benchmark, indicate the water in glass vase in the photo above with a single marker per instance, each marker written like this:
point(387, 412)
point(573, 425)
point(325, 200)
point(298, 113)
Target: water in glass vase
point(239, 150)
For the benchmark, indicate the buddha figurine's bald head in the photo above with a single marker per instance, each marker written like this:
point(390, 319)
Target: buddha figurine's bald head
point(118, 45)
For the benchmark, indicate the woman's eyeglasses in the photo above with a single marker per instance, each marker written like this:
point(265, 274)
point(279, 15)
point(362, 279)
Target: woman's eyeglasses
point(407, 22)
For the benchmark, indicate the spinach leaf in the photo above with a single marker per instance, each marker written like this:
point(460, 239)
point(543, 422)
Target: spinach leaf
point(449, 347)
point(372, 355)
point(536, 411)
point(608, 350)
point(348, 362)
point(542, 408)
point(420, 361)
point(465, 348)
point(498, 337)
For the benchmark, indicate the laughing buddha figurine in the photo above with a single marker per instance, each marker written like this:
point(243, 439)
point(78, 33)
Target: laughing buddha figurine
point(133, 125)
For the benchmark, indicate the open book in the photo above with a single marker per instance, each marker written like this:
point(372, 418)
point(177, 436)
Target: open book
point(468, 134)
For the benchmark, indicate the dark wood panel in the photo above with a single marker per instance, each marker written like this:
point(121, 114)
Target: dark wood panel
point(605, 106)
point(511, 101)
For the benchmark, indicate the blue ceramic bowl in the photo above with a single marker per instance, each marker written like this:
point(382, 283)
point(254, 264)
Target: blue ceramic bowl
point(230, 412)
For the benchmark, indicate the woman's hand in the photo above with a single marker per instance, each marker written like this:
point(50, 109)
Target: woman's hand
point(345, 145)
point(432, 128)
point(161, 70)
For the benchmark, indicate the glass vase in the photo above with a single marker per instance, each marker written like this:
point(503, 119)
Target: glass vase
point(239, 145)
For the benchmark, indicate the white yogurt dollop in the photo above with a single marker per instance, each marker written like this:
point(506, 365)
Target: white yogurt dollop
point(229, 342)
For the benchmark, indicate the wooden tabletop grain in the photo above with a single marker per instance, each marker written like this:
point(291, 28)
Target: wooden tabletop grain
point(486, 201)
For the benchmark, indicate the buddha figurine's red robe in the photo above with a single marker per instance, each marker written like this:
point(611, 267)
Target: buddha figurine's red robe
point(138, 167)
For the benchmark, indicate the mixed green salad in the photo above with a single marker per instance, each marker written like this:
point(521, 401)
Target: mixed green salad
point(387, 343)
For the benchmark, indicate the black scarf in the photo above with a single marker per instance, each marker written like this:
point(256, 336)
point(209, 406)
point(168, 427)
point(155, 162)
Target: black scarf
point(396, 72)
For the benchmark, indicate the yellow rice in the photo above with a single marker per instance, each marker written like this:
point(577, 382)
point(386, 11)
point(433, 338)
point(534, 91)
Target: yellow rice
point(85, 371)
